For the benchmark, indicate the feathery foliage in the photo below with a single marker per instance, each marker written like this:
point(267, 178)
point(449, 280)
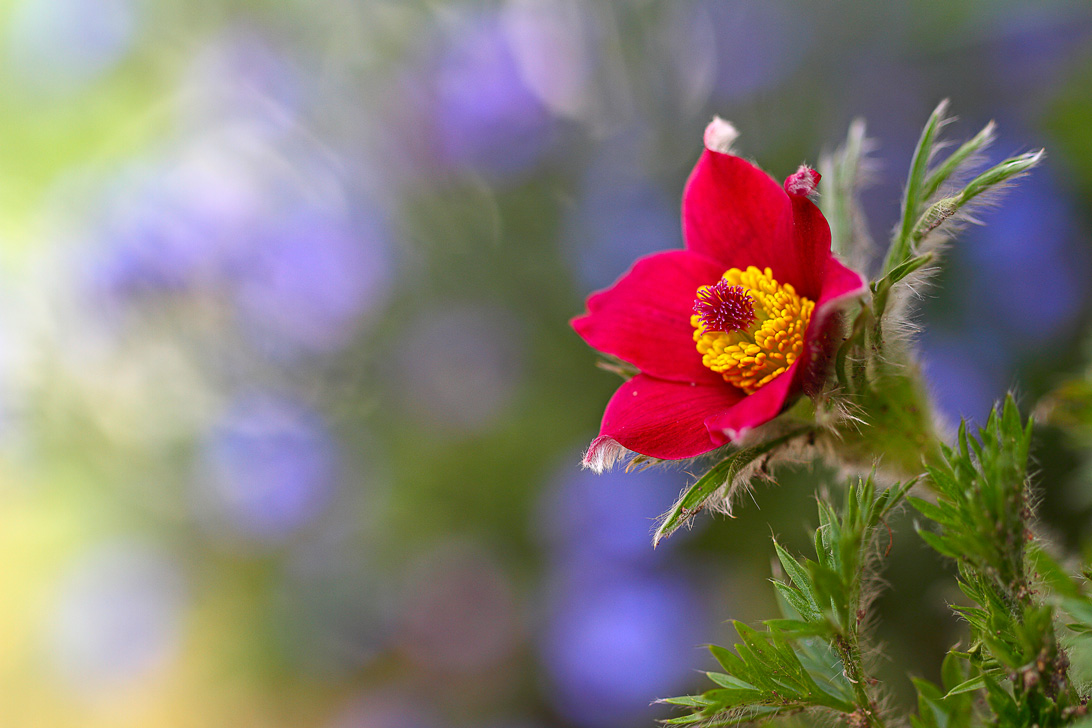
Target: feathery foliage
point(983, 511)
point(844, 174)
point(1022, 606)
point(923, 214)
point(810, 659)
point(877, 378)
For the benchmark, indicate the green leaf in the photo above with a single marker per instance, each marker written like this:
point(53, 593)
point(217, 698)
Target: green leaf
point(1080, 609)
point(804, 606)
point(723, 475)
point(932, 512)
point(685, 719)
point(792, 567)
point(939, 544)
point(951, 670)
point(756, 649)
point(945, 209)
point(802, 599)
point(1003, 172)
point(828, 584)
point(691, 701)
point(1052, 574)
point(902, 270)
point(912, 196)
point(803, 663)
point(728, 681)
point(729, 661)
point(931, 712)
point(966, 152)
point(727, 698)
point(799, 628)
point(617, 366)
point(967, 686)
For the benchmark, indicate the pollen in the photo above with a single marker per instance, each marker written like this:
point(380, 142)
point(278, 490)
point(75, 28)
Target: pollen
point(748, 327)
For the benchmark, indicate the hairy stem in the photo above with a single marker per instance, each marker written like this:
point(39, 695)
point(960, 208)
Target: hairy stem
point(849, 651)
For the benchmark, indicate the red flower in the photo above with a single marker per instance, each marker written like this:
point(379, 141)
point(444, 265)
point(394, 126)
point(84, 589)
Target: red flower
point(724, 331)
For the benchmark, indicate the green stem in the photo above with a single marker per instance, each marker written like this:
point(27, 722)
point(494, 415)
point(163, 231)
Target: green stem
point(849, 651)
point(847, 382)
point(891, 418)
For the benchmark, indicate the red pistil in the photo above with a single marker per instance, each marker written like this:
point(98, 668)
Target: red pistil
point(723, 307)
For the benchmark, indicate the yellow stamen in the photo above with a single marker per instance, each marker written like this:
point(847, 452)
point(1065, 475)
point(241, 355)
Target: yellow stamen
point(749, 358)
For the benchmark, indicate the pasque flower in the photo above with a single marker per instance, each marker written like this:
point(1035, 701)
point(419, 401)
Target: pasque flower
point(727, 332)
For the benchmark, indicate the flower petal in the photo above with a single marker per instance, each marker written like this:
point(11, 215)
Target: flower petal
point(737, 214)
point(753, 410)
point(644, 318)
point(665, 419)
point(603, 453)
point(809, 254)
point(840, 285)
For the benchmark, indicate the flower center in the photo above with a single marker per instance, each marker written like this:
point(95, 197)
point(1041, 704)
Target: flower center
point(724, 308)
point(748, 327)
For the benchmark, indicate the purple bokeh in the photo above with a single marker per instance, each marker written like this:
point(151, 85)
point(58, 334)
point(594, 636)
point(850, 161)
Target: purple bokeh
point(557, 47)
point(623, 620)
point(479, 111)
point(243, 77)
point(459, 367)
point(1030, 263)
point(164, 228)
point(268, 467)
point(389, 708)
point(235, 221)
point(310, 276)
point(1025, 274)
point(967, 373)
point(458, 612)
point(616, 640)
point(608, 518)
point(620, 217)
point(757, 43)
point(1032, 42)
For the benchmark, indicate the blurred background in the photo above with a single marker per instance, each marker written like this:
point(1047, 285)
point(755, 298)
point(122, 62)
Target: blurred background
point(290, 412)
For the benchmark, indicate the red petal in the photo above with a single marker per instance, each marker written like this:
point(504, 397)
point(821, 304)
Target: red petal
point(810, 248)
point(737, 214)
point(753, 410)
point(645, 317)
point(840, 284)
point(664, 419)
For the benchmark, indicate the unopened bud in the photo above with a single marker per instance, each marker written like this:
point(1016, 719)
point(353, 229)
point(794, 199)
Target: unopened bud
point(803, 181)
